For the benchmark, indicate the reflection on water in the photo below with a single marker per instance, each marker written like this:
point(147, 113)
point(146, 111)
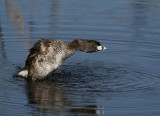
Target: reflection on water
point(15, 16)
point(140, 18)
point(50, 98)
point(123, 80)
point(2, 49)
point(140, 13)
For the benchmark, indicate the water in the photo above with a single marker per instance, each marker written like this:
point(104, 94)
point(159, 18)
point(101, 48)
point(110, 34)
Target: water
point(123, 80)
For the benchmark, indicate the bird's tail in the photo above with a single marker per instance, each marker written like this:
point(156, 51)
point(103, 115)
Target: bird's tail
point(23, 72)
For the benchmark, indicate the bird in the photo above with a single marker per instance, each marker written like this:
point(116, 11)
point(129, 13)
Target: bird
point(47, 55)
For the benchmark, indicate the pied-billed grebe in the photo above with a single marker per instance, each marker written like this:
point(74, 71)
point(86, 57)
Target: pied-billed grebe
point(47, 55)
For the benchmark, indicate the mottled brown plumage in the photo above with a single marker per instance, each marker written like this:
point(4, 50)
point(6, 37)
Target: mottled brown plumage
point(47, 55)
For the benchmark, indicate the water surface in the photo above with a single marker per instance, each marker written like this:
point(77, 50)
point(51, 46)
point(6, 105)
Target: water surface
point(122, 80)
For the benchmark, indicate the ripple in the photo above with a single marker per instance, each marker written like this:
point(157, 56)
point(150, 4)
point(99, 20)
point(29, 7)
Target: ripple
point(7, 82)
point(107, 79)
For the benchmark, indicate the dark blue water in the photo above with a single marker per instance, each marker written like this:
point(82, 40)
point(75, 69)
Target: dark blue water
point(123, 80)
